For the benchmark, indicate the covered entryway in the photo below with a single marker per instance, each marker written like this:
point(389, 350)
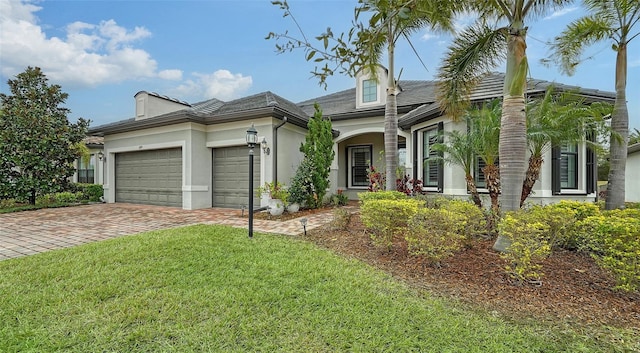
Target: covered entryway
point(151, 177)
point(231, 176)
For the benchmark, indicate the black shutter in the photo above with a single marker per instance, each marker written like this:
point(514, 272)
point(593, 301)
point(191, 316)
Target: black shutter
point(555, 171)
point(592, 166)
point(414, 141)
point(440, 162)
point(346, 166)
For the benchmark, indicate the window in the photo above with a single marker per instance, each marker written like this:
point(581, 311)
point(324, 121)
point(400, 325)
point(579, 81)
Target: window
point(85, 170)
point(569, 167)
point(572, 170)
point(431, 167)
point(359, 161)
point(369, 91)
point(478, 174)
point(481, 181)
point(402, 154)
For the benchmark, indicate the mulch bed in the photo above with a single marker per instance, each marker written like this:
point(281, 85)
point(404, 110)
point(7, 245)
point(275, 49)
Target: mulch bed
point(573, 289)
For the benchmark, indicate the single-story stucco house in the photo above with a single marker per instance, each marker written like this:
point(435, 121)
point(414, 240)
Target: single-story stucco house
point(195, 155)
point(632, 172)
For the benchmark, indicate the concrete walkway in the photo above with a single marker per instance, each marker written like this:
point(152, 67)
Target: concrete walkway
point(32, 232)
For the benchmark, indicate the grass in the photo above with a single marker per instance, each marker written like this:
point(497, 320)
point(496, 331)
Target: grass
point(210, 288)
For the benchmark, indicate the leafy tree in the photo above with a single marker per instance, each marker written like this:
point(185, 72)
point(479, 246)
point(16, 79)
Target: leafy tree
point(38, 145)
point(318, 152)
point(610, 20)
point(479, 49)
point(364, 46)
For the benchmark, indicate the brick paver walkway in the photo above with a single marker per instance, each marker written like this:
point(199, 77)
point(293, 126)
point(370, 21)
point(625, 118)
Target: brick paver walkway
point(32, 232)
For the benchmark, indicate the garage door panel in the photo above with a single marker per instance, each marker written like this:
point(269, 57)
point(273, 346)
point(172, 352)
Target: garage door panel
point(231, 176)
point(150, 177)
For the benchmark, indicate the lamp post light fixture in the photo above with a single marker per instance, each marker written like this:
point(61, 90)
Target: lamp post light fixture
point(252, 140)
point(303, 221)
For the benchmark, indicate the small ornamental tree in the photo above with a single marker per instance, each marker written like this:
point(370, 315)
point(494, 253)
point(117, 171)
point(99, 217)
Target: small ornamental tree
point(38, 145)
point(318, 155)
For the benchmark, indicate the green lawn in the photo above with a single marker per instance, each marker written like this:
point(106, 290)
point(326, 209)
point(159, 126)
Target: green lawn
point(210, 288)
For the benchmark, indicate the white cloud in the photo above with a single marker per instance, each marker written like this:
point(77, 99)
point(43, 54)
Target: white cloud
point(173, 75)
point(561, 12)
point(222, 84)
point(89, 55)
point(428, 35)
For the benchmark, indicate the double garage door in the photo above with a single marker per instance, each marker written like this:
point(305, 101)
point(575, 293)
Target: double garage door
point(152, 177)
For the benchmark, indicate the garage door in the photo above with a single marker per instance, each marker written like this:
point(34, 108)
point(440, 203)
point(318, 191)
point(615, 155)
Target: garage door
point(231, 176)
point(151, 177)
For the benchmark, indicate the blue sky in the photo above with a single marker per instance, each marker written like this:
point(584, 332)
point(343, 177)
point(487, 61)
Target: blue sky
point(104, 52)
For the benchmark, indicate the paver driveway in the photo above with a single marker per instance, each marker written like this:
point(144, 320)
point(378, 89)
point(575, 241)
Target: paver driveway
point(32, 232)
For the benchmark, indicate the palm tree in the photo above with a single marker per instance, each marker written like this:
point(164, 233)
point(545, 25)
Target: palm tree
point(609, 20)
point(476, 51)
point(389, 21)
point(556, 119)
point(458, 149)
point(485, 126)
point(634, 137)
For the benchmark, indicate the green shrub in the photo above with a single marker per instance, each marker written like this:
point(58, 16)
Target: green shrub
point(582, 210)
point(67, 197)
point(561, 220)
point(435, 233)
point(8, 203)
point(615, 244)
point(381, 195)
point(529, 244)
point(434, 201)
point(340, 220)
point(474, 219)
point(339, 199)
point(383, 218)
point(92, 192)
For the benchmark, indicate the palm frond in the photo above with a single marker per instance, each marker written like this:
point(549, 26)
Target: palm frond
point(569, 45)
point(472, 55)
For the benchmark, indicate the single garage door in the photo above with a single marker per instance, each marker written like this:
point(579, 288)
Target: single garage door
point(152, 177)
point(231, 176)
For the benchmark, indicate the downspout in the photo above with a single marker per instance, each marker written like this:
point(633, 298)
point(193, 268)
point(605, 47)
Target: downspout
point(275, 149)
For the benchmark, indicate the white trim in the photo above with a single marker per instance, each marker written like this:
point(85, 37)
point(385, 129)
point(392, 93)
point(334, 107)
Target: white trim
point(368, 130)
point(230, 143)
point(155, 131)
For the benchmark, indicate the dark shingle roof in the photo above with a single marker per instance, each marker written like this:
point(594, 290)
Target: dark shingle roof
point(416, 102)
point(207, 107)
point(259, 101)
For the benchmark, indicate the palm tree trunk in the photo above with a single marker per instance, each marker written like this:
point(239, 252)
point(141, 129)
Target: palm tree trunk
point(620, 127)
point(513, 127)
point(492, 174)
point(532, 175)
point(391, 123)
point(471, 185)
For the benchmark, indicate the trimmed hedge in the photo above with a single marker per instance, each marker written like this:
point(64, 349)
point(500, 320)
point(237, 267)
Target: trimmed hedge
point(384, 217)
point(436, 233)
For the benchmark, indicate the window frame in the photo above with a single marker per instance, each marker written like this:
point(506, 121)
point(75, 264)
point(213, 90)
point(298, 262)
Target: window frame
point(351, 166)
point(438, 184)
point(367, 86)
